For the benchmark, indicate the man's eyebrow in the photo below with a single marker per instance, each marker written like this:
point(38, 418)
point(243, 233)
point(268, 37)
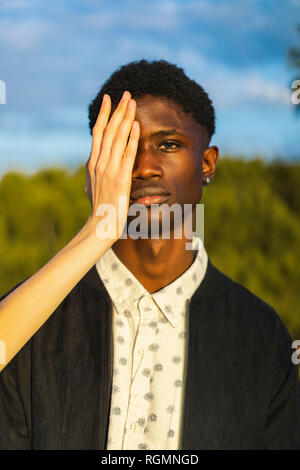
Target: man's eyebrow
point(164, 133)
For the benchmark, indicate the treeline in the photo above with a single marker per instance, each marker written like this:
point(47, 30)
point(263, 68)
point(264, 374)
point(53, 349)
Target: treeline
point(252, 226)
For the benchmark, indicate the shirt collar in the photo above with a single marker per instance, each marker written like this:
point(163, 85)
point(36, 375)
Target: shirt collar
point(172, 300)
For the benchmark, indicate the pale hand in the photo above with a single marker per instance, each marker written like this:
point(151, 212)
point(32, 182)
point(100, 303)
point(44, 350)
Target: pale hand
point(109, 168)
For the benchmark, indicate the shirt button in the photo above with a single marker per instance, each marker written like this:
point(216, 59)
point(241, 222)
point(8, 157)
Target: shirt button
point(141, 351)
point(133, 427)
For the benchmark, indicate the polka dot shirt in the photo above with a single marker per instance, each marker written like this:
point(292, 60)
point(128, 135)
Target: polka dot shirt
point(149, 344)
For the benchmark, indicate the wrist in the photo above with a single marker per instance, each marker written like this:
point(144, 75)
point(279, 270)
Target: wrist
point(89, 231)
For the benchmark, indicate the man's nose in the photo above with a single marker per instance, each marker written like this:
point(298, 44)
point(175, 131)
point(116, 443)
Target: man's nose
point(147, 164)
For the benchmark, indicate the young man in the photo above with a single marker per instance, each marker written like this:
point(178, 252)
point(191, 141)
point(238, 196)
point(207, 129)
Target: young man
point(139, 343)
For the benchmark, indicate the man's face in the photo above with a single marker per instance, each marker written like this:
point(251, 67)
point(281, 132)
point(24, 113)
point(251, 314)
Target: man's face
point(169, 155)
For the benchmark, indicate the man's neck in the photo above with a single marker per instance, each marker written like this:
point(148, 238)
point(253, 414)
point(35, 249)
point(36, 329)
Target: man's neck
point(155, 263)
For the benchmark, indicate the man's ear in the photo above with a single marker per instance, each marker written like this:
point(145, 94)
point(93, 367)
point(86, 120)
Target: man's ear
point(210, 159)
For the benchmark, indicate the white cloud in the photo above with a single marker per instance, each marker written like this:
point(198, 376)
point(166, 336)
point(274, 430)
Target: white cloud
point(230, 86)
point(104, 20)
point(16, 4)
point(246, 15)
point(24, 35)
point(266, 91)
point(236, 88)
point(157, 16)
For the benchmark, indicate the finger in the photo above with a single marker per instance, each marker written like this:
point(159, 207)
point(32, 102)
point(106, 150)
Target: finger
point(110, 132)
point(131, 149)
point(121, 138)
point(97, 133)
point(87, 188)
point(98, 129)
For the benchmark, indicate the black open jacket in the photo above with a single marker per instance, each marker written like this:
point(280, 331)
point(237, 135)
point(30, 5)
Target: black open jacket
point(241, 387)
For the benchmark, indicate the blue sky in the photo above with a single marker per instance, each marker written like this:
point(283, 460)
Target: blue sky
point(55, 55)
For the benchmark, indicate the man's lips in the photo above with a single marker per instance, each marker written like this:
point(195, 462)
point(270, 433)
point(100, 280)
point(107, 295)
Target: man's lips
point(148, 200)
point(149, 195)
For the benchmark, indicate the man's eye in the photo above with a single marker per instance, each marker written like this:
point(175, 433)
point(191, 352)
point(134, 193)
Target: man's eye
point(169, 145)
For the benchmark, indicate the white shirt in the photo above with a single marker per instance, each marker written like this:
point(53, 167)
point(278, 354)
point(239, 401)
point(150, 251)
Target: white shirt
point(149, 341)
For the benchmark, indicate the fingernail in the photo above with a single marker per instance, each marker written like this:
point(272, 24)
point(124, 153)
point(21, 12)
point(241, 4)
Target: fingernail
point(126, 95)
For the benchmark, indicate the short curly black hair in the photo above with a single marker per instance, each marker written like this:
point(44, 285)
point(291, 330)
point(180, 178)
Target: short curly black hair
point(157, 78)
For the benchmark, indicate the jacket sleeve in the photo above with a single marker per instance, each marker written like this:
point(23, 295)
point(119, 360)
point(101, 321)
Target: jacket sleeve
point(14, 420)
point(282, 425)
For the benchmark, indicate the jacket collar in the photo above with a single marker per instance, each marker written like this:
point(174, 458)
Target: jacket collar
point(213, 284)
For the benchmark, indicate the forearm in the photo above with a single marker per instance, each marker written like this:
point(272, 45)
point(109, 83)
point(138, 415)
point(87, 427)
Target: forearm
point(27, 308)
point(109, 169)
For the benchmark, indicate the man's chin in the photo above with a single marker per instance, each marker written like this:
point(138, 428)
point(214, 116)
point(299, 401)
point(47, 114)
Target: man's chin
point(154, 224)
